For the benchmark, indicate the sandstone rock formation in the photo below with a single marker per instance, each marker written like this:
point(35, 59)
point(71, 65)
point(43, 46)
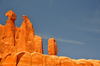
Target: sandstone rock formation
point(38, 43)
point(27, 42)
point(10, 28)
point(21, 47)
point(52, 47)
point(17, 39)
point(23, 59)
point(9, 60)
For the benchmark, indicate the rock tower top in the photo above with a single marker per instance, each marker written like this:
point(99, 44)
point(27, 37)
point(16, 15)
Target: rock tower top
point(11, 15)
point(25, 17)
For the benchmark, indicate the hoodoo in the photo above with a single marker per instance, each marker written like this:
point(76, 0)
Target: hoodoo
point(26, 42)
point(10, 28)
point(52, 47)
point(19, 46)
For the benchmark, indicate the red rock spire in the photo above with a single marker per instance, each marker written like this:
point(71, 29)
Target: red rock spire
point(52, 47)
point(27, 35)
point(10, 28)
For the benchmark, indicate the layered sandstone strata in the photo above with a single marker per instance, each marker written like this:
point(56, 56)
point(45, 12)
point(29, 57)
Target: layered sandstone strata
point(21, 47)
point(38, 59)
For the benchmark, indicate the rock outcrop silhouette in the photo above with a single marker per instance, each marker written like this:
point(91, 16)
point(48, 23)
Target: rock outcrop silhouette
point(19, 46)
point(52, 47)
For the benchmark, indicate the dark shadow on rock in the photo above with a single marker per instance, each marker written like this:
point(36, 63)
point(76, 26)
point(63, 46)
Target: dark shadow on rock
point(19, 57)
point(7, 55)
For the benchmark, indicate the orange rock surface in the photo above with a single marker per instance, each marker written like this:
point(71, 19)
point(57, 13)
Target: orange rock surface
point(21, 47)
point(9, 59)
point(52, 47)
point(38, 44)
point(23, 59)
point(26, 42)
point(22, 39)
point(37, 59)
point(10, 28)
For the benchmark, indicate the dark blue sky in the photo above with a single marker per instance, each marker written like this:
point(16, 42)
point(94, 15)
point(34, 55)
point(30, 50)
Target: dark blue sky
point(75, 24)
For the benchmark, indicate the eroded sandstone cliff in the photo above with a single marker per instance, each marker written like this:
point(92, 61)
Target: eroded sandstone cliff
point(21, 47)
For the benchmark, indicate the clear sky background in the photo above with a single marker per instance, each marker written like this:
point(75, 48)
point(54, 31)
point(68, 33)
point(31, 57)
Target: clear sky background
point(75, 24)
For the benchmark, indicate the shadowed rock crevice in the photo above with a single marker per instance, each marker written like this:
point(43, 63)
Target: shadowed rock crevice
point(19, 57)
point(0, 60)
point(7, 55)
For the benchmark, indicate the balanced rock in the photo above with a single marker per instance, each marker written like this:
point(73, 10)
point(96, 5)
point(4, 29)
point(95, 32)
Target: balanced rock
point(52, 47)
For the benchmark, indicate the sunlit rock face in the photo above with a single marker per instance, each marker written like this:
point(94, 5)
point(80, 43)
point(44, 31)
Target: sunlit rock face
point(19, 46)
point(52, 47)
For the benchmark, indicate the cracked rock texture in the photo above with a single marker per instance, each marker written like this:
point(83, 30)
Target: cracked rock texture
point(19, 46)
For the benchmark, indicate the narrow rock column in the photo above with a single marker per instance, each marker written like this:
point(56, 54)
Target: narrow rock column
point(52, 47)
point(10, 27)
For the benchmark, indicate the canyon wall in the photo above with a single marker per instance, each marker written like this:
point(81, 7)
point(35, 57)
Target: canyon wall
point(21, 47)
